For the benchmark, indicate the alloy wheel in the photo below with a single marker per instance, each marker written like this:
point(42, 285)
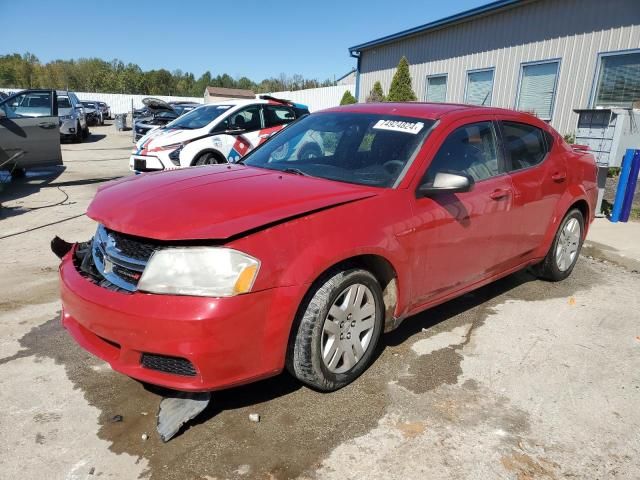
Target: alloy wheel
point(348, 328)
point(568, 244)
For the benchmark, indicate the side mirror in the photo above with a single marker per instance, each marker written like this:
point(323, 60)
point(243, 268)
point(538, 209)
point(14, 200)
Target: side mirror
point(447, 182)
point(3, 114)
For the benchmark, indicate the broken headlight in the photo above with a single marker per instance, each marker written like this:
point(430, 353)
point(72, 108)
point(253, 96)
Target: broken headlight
point(199, 271)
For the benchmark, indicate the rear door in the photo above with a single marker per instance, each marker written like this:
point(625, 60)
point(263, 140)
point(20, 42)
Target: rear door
point(539, 180)
point(463, 238)
point(29, 130)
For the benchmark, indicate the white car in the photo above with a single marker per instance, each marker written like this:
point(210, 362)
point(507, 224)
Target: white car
point(213, 133)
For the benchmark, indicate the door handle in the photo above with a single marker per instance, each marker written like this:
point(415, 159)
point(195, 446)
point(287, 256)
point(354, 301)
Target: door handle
point(47, 125)
point(499, 193)
point(559, 176)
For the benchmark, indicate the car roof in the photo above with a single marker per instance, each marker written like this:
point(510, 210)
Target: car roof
point(431, 111)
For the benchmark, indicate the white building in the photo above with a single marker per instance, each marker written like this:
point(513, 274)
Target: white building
point(543, 56)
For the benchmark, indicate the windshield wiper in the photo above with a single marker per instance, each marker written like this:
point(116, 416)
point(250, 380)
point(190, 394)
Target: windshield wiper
point(295, 171)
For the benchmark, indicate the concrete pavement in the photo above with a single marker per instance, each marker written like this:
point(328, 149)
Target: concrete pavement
point(615, 242)
point(522, 379)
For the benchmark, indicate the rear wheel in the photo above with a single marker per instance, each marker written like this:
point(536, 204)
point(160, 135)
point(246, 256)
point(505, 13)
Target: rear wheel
point(565, 249)
point(337, 330)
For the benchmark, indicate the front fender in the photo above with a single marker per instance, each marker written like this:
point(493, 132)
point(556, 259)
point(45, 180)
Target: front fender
point(195, 148)
point(299, 251)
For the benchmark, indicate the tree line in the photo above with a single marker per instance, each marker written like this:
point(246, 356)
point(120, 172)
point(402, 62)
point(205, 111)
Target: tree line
point(100, 76)
point(400, 90)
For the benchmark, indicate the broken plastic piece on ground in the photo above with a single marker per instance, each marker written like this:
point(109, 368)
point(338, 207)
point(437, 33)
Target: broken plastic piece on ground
point(60, 247)
point(116, 418)
point(177, 410)
point(254, 417)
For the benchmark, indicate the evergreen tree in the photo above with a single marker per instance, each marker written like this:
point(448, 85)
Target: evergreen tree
point(401, 90)
point(348, 99)
point(377, 94)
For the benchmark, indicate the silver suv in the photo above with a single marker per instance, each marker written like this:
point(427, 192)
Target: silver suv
point(73, 121)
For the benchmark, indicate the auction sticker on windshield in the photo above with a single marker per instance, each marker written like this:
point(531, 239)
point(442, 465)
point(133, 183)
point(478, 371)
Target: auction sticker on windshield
point(399, 126)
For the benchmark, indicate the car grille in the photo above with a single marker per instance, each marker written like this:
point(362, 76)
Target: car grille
point(120, 259)
point(173, 365)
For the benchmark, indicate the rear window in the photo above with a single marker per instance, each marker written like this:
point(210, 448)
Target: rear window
point(274, 116)
point(525, 144)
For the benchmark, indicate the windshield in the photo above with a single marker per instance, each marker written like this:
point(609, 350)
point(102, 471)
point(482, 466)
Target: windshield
point(63, 102)
point(199, 117)
point(367, 149)
point(88, 104)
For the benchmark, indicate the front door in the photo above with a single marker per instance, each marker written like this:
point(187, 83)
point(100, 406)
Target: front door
point(539, 180)
point(29, 130)
point(249, 123)
point(462, 238)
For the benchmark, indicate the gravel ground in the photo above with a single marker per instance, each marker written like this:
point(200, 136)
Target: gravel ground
point(521, 379)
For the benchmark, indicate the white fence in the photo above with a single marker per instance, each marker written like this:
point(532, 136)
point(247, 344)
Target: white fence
point(119, 102)
point(314, 98)
point(317, 98)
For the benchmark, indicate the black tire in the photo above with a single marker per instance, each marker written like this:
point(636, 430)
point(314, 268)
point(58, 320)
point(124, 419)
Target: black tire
point(18, 172)
point(85, 132)
point(304, 356)
point(549, 269)
point(77, 137)
point(207, 158)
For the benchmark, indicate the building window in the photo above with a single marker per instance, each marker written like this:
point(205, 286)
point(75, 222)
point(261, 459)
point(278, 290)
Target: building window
point(479, 87)
point(537, 90)
point(437, 88)
point(618, 80)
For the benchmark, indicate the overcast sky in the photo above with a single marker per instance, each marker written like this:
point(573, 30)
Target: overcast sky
point(257, 39)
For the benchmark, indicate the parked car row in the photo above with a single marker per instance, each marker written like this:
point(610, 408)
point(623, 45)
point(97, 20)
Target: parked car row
point(93, 112)
point(215, 133)
point(157, 113)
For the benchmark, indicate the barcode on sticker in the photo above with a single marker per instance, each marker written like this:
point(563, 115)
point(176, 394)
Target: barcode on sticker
point(399, 126)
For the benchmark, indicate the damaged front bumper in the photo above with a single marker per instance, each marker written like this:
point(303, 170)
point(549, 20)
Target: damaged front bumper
point(180, 342)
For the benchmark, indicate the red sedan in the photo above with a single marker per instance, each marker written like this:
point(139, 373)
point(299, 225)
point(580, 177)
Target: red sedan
point(215, 276)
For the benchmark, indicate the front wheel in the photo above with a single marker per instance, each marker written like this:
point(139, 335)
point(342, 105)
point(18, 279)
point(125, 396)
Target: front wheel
point(77, 137)
point(208, 158)
point(565, 249)
point(337, 330)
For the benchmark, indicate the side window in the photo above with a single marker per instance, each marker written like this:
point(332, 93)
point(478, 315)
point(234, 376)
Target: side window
point(524, 144)
point(275, 115)
point(470, 149)
point(28, 104)
point(247, 118)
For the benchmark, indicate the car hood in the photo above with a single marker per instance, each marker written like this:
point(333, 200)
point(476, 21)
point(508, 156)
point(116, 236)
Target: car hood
point(165, 136)
point(214, 202)
point(156, 104)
